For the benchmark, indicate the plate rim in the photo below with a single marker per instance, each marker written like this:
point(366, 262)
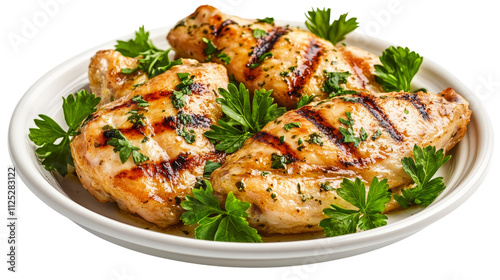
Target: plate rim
point(245, 253)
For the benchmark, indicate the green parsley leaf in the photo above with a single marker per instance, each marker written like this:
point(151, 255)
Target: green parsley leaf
point(399, 66)
point(210, 166)
point(278, 161)
point(135, 47)
point(289, 126)
point(136, 117)
point(215, 223)
point(349, 136)
point(304, 100)
point(211, 50)
point(421, 169)
point(151, 60)
point(376, 134)
point(124, 147)
point(318, 22)
point(182, 89)
point(140, 102)
point(332, 83)
point(314, 138)
point(257, 33)
point(344, 221)
point(268, 20)
point(260, 60)
point(57, 157)
point(188, 135)
point(243, 117)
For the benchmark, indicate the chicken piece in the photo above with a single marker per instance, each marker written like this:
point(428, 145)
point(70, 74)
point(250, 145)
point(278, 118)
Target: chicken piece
point(296, 66)
point(153, 189)
point(313, 159)
point(106, 79)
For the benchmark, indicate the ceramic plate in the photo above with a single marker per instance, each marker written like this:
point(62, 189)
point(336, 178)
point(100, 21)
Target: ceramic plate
point(463, 175)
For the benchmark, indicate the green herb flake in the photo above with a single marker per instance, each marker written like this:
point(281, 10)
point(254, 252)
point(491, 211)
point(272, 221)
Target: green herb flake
point(278, 161)
point(315, 138)
point(289, 126)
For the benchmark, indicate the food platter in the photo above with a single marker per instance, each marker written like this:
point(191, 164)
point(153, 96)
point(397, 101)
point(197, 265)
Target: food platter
point(462, 175)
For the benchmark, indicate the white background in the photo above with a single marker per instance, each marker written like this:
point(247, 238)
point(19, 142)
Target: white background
point(462, 38)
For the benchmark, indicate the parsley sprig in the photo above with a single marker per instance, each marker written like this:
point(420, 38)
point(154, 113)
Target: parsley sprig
point(370, 206)
point(243, 118)
point(421, 169)
point(124, 147)
point(151, 59)
point(211, 50)
point(215, 223)
point(318, 22)
point(399, 66)
point(57, 157)
point(332, 83)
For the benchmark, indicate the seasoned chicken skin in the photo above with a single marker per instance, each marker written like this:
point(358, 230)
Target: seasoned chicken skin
point(106, 79)
point(310, 161)
point(154, 188)
point(292, 63)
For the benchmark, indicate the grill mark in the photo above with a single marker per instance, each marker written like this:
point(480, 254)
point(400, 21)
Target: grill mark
point(197, 88)
point(171, 169)
point(302, 74)
point(322, 125)
point(216, 31)
point(334, 135)
point(273, 141)
point(380, 116)
point(264, 45)
point(173, 122)
point(415, 101)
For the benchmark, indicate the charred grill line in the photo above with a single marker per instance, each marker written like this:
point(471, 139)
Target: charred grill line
point(197, 88)
point(381, 117)
point(196, 121)
point(273, 141)
point(170, 170)
point(334, 136)
point(331, 133)
point(302, 74)
point(415, 101)
point(266, 43)
point(216, 31)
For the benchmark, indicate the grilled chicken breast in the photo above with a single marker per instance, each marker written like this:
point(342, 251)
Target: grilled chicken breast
point(106, 79)
point(289, 176)
point(287, 60)
point(154, 188)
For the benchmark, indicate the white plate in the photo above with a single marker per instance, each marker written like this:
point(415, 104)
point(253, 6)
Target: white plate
point(463, 175)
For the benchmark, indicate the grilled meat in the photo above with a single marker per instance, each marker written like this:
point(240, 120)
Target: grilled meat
point(289, 175)
point(287, 60)
point(106, 79)
point(152, 189)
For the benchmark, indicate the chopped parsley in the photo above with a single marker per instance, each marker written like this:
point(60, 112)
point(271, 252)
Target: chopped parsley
point(179, 95)
point(289, 126)
point(315, 138)
point(332, 83)
point(123, 146)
